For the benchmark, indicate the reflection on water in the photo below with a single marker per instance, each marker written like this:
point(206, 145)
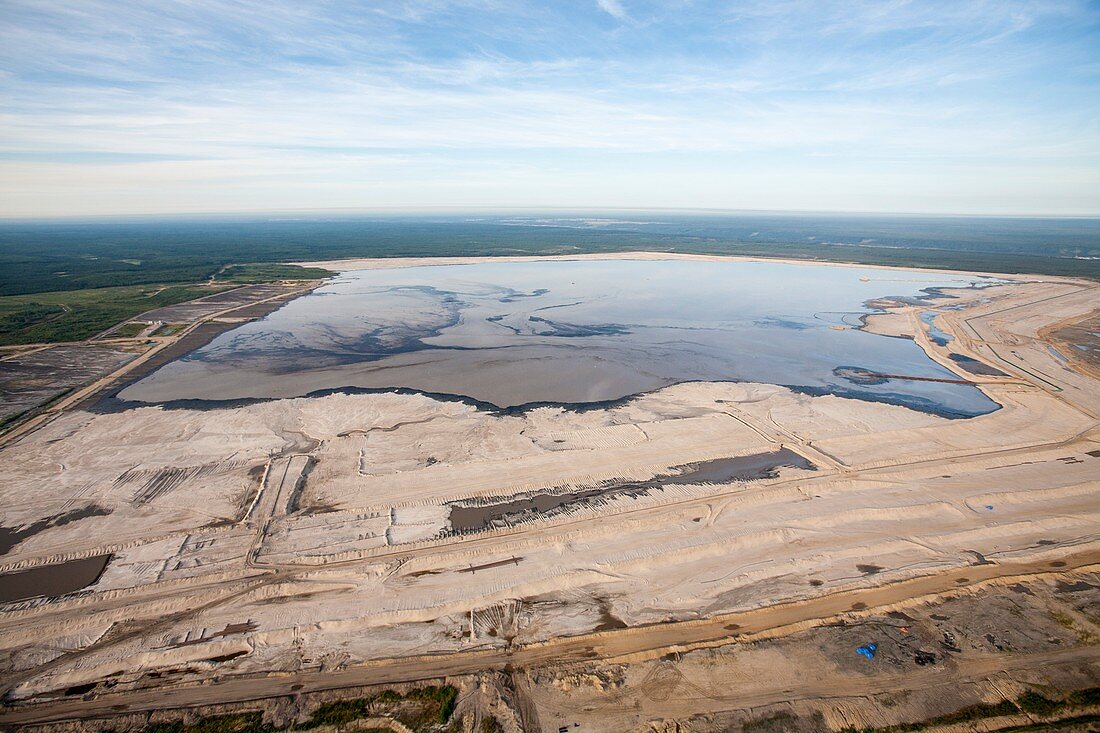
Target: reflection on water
point(935, 333)
point(512, 334)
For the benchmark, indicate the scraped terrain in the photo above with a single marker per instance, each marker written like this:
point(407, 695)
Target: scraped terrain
point(327, 535)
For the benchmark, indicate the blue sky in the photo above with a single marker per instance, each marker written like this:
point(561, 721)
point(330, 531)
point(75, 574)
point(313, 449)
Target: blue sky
point(958, 106)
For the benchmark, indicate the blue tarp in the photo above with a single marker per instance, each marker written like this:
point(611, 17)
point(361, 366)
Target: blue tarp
point(868, 650)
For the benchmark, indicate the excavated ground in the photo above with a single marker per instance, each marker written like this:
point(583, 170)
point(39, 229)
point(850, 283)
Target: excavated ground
point(354, 539)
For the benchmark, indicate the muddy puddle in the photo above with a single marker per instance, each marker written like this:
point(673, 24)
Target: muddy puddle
point(52, 580)
point(468, 517)
point(978, 368)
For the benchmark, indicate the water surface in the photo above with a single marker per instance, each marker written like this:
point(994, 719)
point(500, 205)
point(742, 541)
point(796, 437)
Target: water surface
point(52, 580)
point(513, 334)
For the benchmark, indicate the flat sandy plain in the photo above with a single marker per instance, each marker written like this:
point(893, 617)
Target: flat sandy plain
point(267, 552)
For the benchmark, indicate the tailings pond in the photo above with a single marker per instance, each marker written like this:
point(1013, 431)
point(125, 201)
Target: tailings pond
point(574, 332)
point(52, 580)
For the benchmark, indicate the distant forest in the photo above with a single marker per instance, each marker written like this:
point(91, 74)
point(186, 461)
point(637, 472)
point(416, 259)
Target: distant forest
point(63, 255)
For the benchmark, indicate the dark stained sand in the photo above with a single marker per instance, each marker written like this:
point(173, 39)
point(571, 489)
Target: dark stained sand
point(975, 367)
point(467, 517)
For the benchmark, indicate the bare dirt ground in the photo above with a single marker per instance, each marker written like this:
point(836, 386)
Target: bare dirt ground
point(288, 547)
point(33, 377)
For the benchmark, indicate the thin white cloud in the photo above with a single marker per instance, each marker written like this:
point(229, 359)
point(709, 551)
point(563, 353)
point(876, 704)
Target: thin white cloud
point(614, 8)
point(407, 97)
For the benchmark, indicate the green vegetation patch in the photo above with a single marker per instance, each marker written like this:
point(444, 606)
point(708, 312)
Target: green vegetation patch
point(490, 725)
point(1087, 697)
point(1035, 704)
point(340, 712)
point(74, 315)
point(168, 329)
point(251, 722)
point(422, 709)
point(69, 255)
point(440, 701)
point(1076, 723)
point(261, 273)
point(19, 317)
point(129, 330)
point(1031, 702)
point(971, 713)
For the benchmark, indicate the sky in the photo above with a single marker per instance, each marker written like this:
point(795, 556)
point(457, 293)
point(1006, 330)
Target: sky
point(926, 106)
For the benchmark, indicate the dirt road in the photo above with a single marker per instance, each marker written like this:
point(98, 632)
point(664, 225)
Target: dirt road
point(631, 644)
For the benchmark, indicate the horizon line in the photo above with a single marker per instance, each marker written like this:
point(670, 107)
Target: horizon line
point(485, 209)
